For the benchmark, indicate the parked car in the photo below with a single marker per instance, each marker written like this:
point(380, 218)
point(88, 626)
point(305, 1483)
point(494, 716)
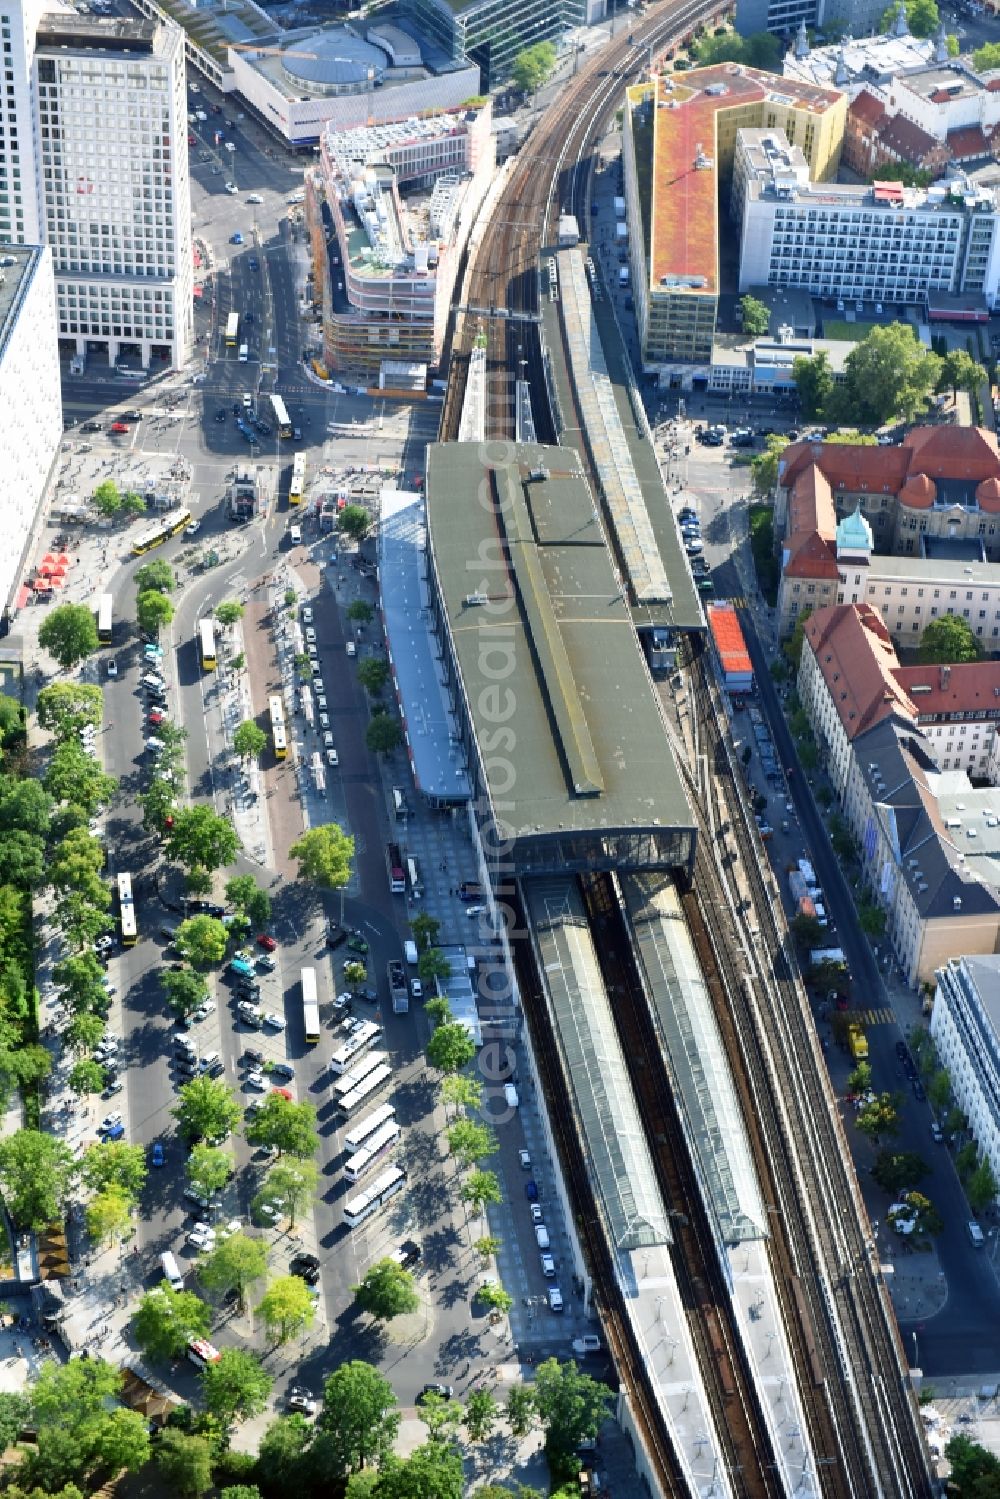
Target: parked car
point(266, 942)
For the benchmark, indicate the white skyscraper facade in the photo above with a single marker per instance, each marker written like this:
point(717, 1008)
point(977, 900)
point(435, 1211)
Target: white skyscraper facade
point(30, 397)
point(94, 163)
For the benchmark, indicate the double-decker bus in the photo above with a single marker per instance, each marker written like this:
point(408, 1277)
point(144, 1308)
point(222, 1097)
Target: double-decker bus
point(381, 1143)
point(394, 864)
point(126, 910)
point(363, 1036)
point(297, 488)
point(310, 1005)
point(282, 421)
point(105, 605)
point(206, 642)
point(362, 1132)
point(357, 1209)
point(279, 738)
point(372, 1083)
point(154, 536)
point(232, 330)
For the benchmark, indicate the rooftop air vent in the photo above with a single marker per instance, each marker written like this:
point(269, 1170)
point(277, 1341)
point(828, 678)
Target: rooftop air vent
point(476, 600)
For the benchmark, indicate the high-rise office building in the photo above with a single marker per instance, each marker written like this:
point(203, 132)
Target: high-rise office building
point(93, 163)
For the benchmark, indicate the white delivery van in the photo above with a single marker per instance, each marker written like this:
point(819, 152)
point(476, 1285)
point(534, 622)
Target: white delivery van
point(352, 649)
point(295, 535)
point(976, 1236)
point(410, 953)
point(171, 1272)
point(510, 1094)
point(541, 1236)
point(244, 353)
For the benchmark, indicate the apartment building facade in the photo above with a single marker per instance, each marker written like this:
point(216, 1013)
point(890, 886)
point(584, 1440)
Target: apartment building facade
point(965, 1026)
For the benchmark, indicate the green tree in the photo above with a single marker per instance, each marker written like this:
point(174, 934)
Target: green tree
point(450, 1047)
point(66, 707)
point(290, 1127)
point(324, 855)
point(84, 1032)
point(759, 50)
point(373, 674)
point(533, 67)
point(290, 1185)
point(209, 1168)
point(981, 1188)
point(520, 1409)
point(229, 613)
point(359, 611)
point(438, 1010)
point(235, 1386)
point(15, 1413)
point(488, 1247)
point(959, 371)
point(871, 918)
point(23, 860)
point(851, 437)
point(922, 16)
point(185, 1462)
point(433, 1471)
point(283, 1454)
point(249, 740)
point(386, 1291)
point(34, 1174)
point(69, 634)
point(24, 805)
point(927, 1219)
point(79, 979)
point(764, 465)
point(109, 1216)
point(570, 1404)
point(756, 316)
point(153, 611)
point(975, 1471)
point(75, 1394)
point(244, 894)
point(183, 990)
point(860, 1080)
point(793, 645)
point(115, 1165)
point(432, 965)
point(493, 1295)
point(206, 1110)
point(359, 1419)
point(159, 805)
point(480, 1189)
point(86, 1076)
point(11, 718)
point(165, 1321)
point(106, 499)
point(76, 777)
point(471, 1142)
point(355, 522)
point(987, 57)
point(355, 974)
point(383, 734)
point(888, 375)
point(155, 577)
point(481, 1415)
point(814, 383)
point(287, 1308)
point(948, 640)
point(201, 838)
point(425, 930)
point(461, 1092)
point(202, 940)
point(939, 1089)
point(878, 1118)
point(967, 1159)
point(121, 1441)
point(235, 1264)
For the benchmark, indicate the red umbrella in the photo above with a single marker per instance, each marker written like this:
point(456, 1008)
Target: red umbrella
point(56, 580)
point(41, 585)
point(62, 560)
point(47, 560)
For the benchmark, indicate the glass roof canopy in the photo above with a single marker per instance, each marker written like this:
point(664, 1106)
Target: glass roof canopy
point(699, 1070)
point(618, 1156)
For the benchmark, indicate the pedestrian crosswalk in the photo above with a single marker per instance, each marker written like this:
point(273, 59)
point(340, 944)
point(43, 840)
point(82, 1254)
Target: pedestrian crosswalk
point(880, 1016)
point(738, 601)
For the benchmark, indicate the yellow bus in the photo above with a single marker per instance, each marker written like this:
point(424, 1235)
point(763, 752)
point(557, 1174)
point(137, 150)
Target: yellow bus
point(126, 910)
point(155, 535)
point(232, 330)
point(282, 420)
point(206, 641)
point(279, 739)
point(298, 485)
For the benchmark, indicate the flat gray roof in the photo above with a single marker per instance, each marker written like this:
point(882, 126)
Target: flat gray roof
point(568, 724)
point(19, 264)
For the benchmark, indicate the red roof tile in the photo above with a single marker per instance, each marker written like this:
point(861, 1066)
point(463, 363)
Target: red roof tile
point(724, 624)
point(857, 661)
point(866, 109)
point(967, 143)
point(967, 687)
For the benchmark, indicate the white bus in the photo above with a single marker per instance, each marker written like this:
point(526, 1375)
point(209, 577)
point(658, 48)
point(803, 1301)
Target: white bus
point(348, 1104)
point(126, 910)
point(281, 416)
point(348, 1080)
point(310, 1005)
point(362, 1132)
point(206, 643)
point(105, 608)
point(363, 1036)
point(379, 1146)
point(232, 330)
point(357, 1209)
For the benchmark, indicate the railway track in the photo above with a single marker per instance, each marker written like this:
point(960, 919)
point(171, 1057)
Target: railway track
point(863, 1420)
point(737, 1418)
point(591, 1230)
point(549, 174)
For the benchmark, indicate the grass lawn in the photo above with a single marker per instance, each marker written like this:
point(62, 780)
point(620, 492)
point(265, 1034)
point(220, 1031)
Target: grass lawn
point(850, 332)
point(762, 546)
